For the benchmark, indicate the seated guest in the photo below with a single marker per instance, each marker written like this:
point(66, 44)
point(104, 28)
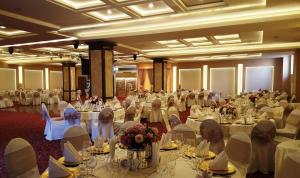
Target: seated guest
point(172, 108)
point(105, 124)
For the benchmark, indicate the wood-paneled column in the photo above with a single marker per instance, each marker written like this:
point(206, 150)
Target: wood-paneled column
point(102, 78)
point(69, 81)
point(159, 74)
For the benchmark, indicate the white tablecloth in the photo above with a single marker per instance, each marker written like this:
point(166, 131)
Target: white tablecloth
point(91, 117)
point(233, 128)
point(282, 150)
point(182, 168)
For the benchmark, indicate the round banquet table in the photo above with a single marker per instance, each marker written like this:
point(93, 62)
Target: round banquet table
point(173, 166)
point(228, 129)
point(91, 117)
point(282, 150)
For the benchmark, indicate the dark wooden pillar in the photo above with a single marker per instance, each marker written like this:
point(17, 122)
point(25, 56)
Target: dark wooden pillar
point(159, 74)
point(69, 81)
point(102, 78)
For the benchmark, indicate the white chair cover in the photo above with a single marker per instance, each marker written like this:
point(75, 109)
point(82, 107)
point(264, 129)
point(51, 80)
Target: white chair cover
point(238, 150)
point(190, 100)
point(213, 133)
point(292, 125)
point(71, 117)
point(20, 159)
point(263, 147)
point(105, 125)
point(50, 99)
point(61, 107)
point(172, 111)
point(54, 129)
point(185, 134)
point(290, 167)
point(77, 136)
point(2, 102)
point(36, 98)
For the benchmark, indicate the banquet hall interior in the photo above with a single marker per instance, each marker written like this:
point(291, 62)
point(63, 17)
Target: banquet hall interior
point(150, 88)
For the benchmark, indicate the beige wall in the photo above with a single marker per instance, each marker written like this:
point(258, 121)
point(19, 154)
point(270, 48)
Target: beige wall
point(8, 79)
point(33, 79)
point(277, 63)
point(55, 79)
point(190, 78)
point(29, 81)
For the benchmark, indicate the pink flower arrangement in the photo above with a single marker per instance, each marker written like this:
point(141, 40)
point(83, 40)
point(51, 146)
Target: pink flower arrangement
point(228, 109)
point(138, 137)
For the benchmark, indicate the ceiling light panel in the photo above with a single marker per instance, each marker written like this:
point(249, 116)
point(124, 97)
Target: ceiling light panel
point(151, 8)
point(202, 43)
point(169, 42)
point(50, 49)
point(223, 37)
point(230, 41)
point(176, 46)
point(200, 39)
point(80, 4)
point(109, 14)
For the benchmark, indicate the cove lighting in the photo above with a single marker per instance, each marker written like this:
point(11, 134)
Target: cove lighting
point(39, 42)
point(240, 78)
point(20, 71)
point(174, 78)
point(47, 78)
point(292, 64)
point(150, 5)
point(205, 69)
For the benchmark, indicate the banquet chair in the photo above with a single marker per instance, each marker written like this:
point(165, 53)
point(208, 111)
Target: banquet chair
point(293, 99)
point(156, 114)
point(263, 147)
point(36, 98)
point(238, 150)
point(290, 167)
point(62, 105)
point(24, 100)
point(2, 102)
point(56, 98)
point(292, 126)
point(55, 126)
point(105, 125)
point(173, 121)
point(77, 136)
point(71, 117)
point(50, 99)
point(190, 99)
point(182, 103)
point(213, 133)
point(172, 111)
point(185, 134)
point(20, 159)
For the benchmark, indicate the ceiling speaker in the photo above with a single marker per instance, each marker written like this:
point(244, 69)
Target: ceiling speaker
point(10, 50)
point(76, 44)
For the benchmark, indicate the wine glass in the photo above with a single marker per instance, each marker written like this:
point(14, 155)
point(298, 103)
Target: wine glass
point(91, 165)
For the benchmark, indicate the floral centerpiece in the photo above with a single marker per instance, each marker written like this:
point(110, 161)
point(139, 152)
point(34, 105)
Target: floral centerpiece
point(228, 109)
point(138, 137)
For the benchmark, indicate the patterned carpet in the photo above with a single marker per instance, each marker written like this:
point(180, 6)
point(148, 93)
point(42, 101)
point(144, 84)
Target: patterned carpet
point(26, 122)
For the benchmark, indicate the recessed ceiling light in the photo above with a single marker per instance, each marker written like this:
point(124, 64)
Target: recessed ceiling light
point(3, 27)
point(109, 11)
point(150, 5)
